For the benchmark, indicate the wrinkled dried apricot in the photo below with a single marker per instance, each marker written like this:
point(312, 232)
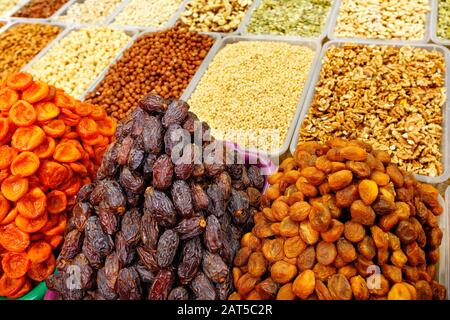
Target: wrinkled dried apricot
point(66, 152)
point(326, 253)
point(359, 288)
point(353, 153)
point(25, 164)
point(319, 217)
point(368, 191)
point(22, 114)
point(293, 247)
point(313, 175)
point(13, 188)
point(31, 225)
point(362, 213)
point(399, 292)
point(257, 264)
point(41, 271)
point(9, 286)
point(279, 210)
point(334, 231)
point(288, 227)
point(380, 178)
point(299, 211)
point(246, 284)
point(8, 97)
point(46, 111)
point(306, 259)
point(26, 139)
point(37, 91)
point(32, 205)
point(273, 250)
point(15, 265)
point(56, 202)
point(339, 180)
point(7, 155)
point(39, 251)
point(55, 128)
point(19, 81)
point(307, 233)
point(282, 272)
point(13, 239)
point(304, 284)
point(286, 293)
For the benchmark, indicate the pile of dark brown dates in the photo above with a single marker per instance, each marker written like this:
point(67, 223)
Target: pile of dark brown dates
point(165, 216)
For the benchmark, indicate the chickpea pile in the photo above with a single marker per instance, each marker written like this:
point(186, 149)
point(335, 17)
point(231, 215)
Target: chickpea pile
point(334, 215)
point(50, 145)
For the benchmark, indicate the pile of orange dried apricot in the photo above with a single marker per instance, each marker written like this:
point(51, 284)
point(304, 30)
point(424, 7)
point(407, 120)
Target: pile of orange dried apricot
point(50, 145)
point(339, 222)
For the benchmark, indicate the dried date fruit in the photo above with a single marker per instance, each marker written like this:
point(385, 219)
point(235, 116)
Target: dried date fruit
point(112, 268)
point(191, 258)
point(81, 213)
point(131, 181)
point(191, 227)
point(182, 199)
point(178, 293)
point(149, 231)
point(148, 258)
point(162, 285)
point(213, 238)
point(163, 170)
point(199, 197)
point(167, 248)
point(214, 267)
point(72, 245)
point(130, 226)
point(239, 207)
point(159, 205)
point(202, 288)
point(216, 204)
point(152, 135)
point(128, 284)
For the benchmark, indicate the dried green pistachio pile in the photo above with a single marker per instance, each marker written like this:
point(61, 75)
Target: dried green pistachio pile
point(443, 30)
point(305, 18)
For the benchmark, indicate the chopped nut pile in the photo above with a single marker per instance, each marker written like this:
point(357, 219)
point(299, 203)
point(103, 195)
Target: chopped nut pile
point(443, 23)
point(21, 43)
point(391, 97)
point(382, 19)
point(290, 17)
point(89, 11)
point(75, 61)
point(215, 15)
point(251, 90)
point(148, 13)
point(340, 222)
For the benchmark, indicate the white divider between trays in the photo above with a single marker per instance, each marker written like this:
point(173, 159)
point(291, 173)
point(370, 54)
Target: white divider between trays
point(445, 147)
point(312, 44)
point(443, 274)
point(132, 33)
point(102, 75)
point(434, 26)
point(257, 3)
point(332, 26)
point(105, 22)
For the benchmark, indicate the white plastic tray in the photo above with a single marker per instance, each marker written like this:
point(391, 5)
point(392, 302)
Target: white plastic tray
point(102, 75)
point(315, 45)
point(131, 33)
point(434, 24)
point(243, 27)
point(445, 148)
point(63, 11)
point(335, 15)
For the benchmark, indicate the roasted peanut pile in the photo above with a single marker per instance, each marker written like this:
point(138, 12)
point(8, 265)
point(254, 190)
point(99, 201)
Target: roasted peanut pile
point(340, 221)
point(160, 62)
point(148, 13)
point(7, 5)
point(303, 18)
point(443, 23)
point(74, 62)
point(20, 43)
point(382, 19)
point(40, 8)
point(89, 11)
point(50, 146)
point(390, 97)
point(250, 92)
point(215, 15)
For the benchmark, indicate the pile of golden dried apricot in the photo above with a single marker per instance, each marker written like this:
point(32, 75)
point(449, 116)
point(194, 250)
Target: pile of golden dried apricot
point(340, 221)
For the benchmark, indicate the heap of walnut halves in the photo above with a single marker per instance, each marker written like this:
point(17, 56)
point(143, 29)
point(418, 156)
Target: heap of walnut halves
point(155, 228)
